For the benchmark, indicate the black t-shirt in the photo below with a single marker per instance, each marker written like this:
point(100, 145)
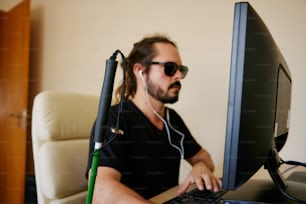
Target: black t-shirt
point(148, 163)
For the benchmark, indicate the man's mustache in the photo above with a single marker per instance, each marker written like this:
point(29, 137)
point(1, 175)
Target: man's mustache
point(177, 83)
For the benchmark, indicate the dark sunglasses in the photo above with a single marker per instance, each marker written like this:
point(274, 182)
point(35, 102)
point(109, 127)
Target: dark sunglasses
point(170, 68)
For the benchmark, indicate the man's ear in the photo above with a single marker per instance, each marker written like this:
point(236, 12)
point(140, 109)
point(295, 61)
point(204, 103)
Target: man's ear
point(138, 70)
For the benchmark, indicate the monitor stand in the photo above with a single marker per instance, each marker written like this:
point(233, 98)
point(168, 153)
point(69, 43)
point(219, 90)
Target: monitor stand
point(265, 191)
point(294, 187)
point(291, 189)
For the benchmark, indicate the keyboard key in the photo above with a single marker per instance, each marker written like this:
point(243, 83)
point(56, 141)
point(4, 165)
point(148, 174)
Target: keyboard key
point(196, 196)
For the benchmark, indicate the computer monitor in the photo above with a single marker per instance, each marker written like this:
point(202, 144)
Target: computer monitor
point(258, 102)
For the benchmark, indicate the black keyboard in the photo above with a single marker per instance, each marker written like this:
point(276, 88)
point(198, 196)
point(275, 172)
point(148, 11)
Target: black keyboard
point(196, 196)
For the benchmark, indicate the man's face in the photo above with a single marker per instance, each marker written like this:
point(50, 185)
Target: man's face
point(160, 86)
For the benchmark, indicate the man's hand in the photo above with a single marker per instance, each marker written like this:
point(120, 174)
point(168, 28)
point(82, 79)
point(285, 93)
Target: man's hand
point(202, 177)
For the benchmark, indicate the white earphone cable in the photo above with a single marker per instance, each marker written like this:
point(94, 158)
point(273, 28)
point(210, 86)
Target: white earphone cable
point(181, 148)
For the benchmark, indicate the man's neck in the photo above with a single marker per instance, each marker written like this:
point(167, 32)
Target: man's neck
point(147, 106)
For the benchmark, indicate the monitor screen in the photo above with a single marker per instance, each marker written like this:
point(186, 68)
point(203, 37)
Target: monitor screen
point(258, 102)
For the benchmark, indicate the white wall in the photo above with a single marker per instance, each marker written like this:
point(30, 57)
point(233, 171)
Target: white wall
point(71, 39)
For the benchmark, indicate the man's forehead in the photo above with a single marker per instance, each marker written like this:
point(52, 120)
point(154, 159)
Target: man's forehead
point(167, 51)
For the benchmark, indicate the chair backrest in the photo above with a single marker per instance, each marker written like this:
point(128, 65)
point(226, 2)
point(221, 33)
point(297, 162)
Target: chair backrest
point(61, 126)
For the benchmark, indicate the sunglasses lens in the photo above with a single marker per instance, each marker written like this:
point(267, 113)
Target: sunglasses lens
point(170, 68)
point(184, 70)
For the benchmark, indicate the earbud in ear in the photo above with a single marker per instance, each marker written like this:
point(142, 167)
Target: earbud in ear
point(140, 74)
point(142, 78)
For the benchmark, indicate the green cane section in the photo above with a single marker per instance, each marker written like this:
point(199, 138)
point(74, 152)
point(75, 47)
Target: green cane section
point(94, 166)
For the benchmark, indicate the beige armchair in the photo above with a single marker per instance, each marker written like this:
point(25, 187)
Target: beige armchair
point(61, 126)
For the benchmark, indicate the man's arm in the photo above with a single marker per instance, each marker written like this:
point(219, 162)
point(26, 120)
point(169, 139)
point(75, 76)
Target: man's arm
point(201, 173)
point(109, 189)
point(202, 156)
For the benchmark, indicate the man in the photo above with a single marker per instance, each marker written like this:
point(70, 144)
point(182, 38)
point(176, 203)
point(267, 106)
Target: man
point(144, 161)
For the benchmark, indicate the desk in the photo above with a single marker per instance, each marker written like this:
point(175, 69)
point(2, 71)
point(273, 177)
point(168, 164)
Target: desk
point(257, 189)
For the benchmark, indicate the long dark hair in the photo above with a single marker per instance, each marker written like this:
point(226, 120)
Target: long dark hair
point(142, 52)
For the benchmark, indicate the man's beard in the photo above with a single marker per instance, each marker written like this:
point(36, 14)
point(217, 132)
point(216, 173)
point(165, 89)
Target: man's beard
point(163, 96)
